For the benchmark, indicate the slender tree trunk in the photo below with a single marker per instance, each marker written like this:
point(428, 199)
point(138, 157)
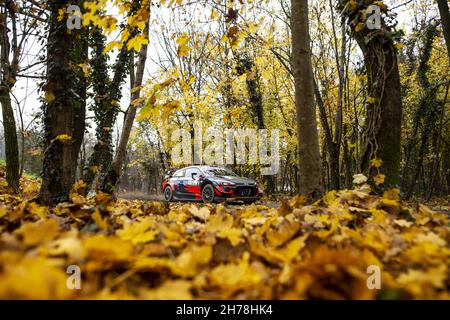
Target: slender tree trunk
point(63, 111)
point(309, 174)
point(428, 109)
point(100, 85)
point(246, 65)
point(445, 21)
point(11, 145)
point(112, 176)
point(81, 55)
point(7, 80)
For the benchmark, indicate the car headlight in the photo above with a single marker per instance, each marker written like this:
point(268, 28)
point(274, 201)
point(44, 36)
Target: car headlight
point(225, 183)
point(228, 184)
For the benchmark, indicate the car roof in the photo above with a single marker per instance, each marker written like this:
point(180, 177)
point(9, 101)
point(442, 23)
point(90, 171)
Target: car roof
point(201, 167)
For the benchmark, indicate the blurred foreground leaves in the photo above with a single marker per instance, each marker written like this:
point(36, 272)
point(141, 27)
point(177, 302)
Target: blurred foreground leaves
point(150, 250)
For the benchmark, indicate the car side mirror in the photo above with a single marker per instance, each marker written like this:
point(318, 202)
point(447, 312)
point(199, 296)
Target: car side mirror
point(194, 175)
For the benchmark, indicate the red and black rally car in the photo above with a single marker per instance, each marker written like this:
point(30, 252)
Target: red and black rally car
point(210, 184)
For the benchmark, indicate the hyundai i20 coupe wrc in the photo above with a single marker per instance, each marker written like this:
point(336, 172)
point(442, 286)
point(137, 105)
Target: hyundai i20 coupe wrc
point(209, 184)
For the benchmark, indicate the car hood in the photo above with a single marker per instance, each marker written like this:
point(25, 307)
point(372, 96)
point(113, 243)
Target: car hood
point(236, 180)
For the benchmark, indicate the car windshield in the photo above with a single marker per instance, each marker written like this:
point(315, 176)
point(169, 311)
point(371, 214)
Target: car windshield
point(220, 172)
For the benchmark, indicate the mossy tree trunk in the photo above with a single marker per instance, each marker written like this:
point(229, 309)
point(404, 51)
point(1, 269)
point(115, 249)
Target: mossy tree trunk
point(64, 108)
point(382, 133)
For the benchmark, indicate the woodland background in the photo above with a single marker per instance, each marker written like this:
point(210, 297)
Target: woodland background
point(227, 64)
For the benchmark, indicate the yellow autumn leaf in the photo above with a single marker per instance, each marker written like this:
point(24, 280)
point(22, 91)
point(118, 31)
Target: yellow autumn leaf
point(359, 27)
point(139, 232)
point(399, 46)
point(376, 163)
point(236, 276)
point(188, 262)
point(99, 221)
point(379, 179)
point(37, 209)
point(33, 278)
point(169, 290)
point(85, 68)
point(112, 45)
point(61, 14)
point(107, 249)
point(137, 42)
point(215, 15)
point(183, 47)
point(49, 97)
point(359, 178)
point(202, 213)
point(234, 235)
point(38, 232)
point(62, 137)
point(371, 100)
point(3, 211)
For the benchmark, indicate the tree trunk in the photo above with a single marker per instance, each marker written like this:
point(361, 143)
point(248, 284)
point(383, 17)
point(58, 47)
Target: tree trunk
point(427, 111)
point(108, 96)
point(11, 145)
point(246, 65)
point(111, 179)
point(381, 137)
point(7, 80)
point(308, 142)
point(332, 147)
point(63, 110)
point(383, 122)
point(445, 21)
point(106, 114)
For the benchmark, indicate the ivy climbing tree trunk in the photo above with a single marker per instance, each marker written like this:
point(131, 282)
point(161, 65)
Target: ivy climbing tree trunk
point(107, 98)
point(111, 179)
point(64, 109)
point(383, 122)
point(100, 85)
point(309, 174)
point(382, 131)
point(8, 79)
point(427, 113)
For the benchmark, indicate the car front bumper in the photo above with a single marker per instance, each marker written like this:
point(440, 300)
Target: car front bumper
point(231, 194)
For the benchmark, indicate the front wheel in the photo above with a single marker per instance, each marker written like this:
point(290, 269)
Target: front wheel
point(168, 194)
point(208, 194)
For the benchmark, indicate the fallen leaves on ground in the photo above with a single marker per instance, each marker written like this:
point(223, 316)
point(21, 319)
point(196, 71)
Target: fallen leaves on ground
point(152, 250)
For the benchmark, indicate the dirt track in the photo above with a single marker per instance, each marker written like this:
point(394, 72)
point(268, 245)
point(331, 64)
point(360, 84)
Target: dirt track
point(140, 196)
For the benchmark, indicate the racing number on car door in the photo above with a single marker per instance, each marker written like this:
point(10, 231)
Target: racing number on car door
point(192, 183)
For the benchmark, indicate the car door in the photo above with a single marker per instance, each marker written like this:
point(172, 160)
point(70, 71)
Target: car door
point(177, 181)
point(191, 183)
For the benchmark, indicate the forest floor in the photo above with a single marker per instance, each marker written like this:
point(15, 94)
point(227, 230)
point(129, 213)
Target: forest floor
point(348, 245)
point(159, 197)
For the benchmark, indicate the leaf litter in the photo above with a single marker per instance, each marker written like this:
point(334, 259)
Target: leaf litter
point(151, 250)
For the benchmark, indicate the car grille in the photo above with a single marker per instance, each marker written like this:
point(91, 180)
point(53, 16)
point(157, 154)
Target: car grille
point(246, 191)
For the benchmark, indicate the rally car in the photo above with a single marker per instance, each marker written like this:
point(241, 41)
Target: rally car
point(209, 184)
